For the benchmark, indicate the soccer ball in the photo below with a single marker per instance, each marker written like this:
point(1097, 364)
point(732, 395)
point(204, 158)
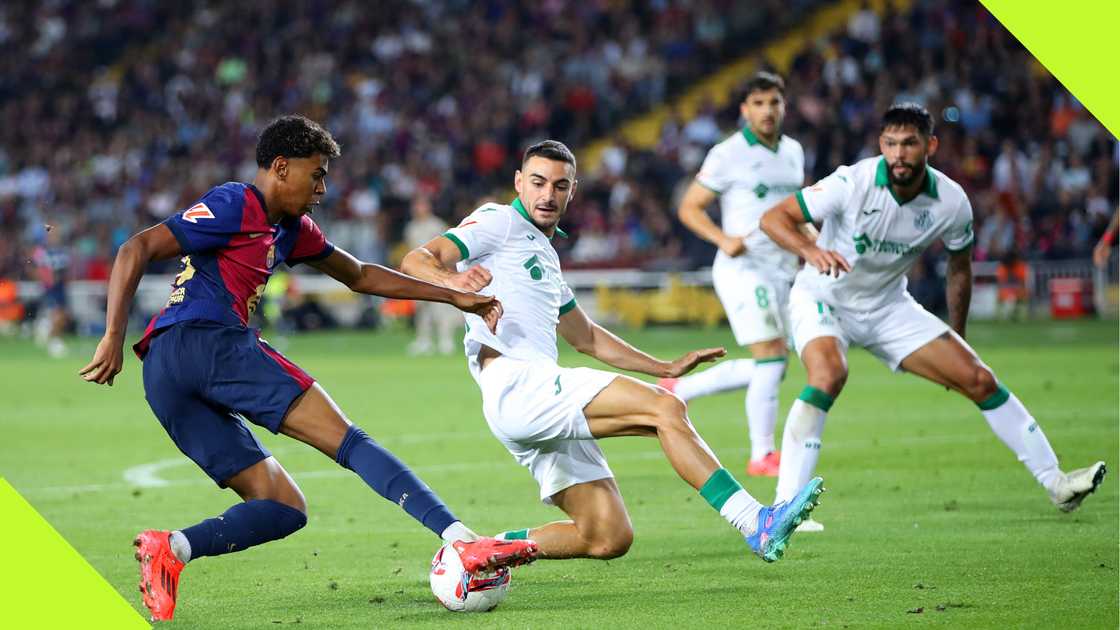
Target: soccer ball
point(460, 591)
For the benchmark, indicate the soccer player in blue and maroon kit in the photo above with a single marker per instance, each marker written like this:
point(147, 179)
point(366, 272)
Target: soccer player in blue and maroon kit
point(206, 371)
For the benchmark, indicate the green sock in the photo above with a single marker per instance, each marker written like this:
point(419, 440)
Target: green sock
point(517, 534)
point(719, 488)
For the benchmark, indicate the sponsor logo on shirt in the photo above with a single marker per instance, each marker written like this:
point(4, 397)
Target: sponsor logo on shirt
point(865, 244)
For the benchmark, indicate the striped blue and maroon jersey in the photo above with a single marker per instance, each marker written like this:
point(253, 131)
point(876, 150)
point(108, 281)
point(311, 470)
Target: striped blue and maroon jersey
point(230, 250)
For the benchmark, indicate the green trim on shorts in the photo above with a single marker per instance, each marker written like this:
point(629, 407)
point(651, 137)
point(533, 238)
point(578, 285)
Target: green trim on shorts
point(816, 398)
point(567, 307)
point(995, 400)
point(463, 253)
point(771, 360)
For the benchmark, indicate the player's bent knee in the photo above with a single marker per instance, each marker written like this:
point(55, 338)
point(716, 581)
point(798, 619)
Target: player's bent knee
point(830, 380)
point(981, 384)
point(614, 545)
point(670, 412)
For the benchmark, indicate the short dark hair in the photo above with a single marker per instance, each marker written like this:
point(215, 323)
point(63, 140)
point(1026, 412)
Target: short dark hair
point(763, 81)
point(552, 150)
point(908, 115)
point(294, 136)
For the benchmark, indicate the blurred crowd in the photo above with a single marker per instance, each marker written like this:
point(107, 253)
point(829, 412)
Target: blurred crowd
point(1040, 171)
point(136, 108)
point(117, 113)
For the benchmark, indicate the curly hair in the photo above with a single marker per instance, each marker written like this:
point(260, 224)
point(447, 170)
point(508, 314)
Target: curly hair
point(294, 136)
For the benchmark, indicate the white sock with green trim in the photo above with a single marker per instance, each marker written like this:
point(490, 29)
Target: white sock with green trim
point(721, 377)
point(801, 441)
point(762, 404)
point(1015, 426)
point(516, 534)
point(733, 503)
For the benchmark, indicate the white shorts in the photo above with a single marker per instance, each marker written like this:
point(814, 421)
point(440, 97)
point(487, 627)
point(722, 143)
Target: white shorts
point(755, 303)
point(891, 333)
point(535, 408)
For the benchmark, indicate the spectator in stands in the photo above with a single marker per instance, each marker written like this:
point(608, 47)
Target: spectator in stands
point(435, 323)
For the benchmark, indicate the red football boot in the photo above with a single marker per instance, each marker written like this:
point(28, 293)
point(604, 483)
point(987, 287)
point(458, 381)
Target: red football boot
point(765, 467)
point(159, 573)
point(488, 554)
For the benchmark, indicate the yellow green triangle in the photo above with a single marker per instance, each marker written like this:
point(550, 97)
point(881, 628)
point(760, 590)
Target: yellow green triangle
point(45, 583)
point(1075, 42)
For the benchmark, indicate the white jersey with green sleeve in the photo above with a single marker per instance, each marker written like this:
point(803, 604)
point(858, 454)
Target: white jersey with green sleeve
point(881, 238)
point(750, 178)
point(526, 278)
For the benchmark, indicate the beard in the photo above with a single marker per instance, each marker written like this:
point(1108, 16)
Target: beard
point(905, 180)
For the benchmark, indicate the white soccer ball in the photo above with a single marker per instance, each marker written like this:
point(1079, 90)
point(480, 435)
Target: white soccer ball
point(460, 591)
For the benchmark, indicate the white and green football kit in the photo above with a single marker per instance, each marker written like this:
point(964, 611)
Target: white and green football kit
point(750, 178)
point(869, 306)
point(532, 405)
point(881, 238)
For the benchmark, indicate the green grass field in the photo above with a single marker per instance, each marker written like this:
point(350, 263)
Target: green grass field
point(930, 520)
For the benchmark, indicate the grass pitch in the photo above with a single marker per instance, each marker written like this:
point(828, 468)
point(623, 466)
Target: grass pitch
point(930, 520)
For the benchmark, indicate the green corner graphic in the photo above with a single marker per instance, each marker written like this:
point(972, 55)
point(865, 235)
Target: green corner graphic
point(1075, 42)
point(44, 583)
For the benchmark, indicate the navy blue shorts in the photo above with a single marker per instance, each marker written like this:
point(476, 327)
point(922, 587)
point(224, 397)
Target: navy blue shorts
point(203, 380)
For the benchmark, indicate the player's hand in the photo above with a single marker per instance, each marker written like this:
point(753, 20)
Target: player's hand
point(485, 306)
point(106, 362)
point(471, 280)
point(826, 261)
point(686, 363)
point(1101, 254)
point(732, 246)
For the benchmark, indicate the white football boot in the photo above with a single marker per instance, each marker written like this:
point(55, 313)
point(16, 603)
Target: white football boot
point(1074, 486)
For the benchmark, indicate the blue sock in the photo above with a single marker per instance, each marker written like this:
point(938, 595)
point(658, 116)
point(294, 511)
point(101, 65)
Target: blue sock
point(242, 526)
point(392, 479)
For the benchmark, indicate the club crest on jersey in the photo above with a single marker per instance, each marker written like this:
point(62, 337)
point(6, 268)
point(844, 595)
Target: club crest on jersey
point(271, 257)
point(924, 220)
point(196, 212)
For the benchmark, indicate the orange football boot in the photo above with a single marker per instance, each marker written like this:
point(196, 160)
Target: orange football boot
point(765, 467)
point(159, 572)
point(488, 554)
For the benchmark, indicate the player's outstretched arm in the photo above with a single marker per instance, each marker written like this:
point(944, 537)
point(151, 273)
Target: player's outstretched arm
point(363, 277)
point(435, 262)
point(154, 243)
point(958, 289)
point(782, 224)
point(592, 339)
point(694, 216)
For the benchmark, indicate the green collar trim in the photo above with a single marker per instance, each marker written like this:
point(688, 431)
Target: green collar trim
point(882, 180)
point(520, 208)
point(753, 140)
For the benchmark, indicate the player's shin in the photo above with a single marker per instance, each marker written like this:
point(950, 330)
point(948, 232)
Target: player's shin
point(392, 479)
point(762, 404)
point(801, 441)
point(242, 526)
point(1013, 424)
point(721, 377)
